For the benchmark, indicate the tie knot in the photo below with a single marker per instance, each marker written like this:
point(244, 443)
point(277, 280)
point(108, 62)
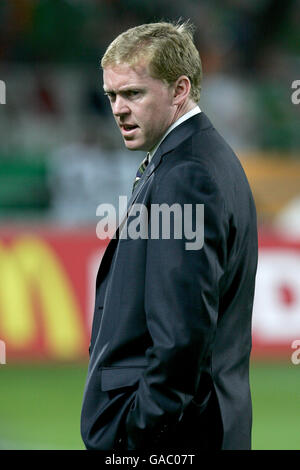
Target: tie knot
point(145, 161)
point(141, 170)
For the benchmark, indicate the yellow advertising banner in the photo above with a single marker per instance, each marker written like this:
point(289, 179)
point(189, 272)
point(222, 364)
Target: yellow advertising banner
point(41, 312)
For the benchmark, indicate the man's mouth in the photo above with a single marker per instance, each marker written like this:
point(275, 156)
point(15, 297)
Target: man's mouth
point(128, 129)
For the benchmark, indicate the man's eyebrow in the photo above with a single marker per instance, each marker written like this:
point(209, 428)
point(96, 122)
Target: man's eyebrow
point(106, 90)
point(123, 90)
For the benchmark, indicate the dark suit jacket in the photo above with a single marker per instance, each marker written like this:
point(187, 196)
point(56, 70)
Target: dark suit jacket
point(171, 335)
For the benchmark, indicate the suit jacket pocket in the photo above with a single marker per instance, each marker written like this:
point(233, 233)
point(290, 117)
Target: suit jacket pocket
point(118, 377)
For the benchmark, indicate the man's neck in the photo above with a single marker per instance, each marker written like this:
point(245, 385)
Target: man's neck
point(191, 112)
point(183, 109)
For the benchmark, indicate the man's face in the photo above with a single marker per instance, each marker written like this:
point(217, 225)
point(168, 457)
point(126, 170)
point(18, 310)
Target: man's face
point(142, 106)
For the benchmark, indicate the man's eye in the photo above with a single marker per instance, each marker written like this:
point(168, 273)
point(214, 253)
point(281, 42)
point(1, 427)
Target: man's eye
point(133, 93)
point(111, 96)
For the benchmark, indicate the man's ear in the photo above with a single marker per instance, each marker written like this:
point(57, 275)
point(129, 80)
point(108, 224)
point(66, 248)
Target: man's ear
point(182, 88)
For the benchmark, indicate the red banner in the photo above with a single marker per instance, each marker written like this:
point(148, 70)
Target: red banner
point(47, 293)
point(276, 313)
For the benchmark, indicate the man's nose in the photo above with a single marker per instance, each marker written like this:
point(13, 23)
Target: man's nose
point(120, 107)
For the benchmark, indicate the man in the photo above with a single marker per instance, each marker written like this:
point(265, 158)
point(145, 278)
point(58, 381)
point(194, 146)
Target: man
point(171, 335)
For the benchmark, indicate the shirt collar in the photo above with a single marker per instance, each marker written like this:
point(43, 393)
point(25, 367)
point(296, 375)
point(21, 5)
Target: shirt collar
point(183, 118)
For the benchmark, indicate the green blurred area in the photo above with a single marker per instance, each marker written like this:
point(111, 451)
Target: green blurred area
point(40, 406)
point(23, 184)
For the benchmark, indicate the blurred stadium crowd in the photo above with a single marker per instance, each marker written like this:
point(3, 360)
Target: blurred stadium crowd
point(60, 153)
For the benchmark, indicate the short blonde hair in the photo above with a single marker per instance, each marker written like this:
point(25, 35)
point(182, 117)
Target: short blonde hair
point(169, 49)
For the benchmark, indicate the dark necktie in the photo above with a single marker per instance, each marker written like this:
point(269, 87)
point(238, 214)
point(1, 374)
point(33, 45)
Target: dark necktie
point(140, 171)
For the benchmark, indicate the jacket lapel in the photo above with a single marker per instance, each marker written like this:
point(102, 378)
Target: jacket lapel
point(177, 136)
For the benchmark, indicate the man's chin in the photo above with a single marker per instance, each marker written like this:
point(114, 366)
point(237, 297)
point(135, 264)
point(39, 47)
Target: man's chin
point(131, 145)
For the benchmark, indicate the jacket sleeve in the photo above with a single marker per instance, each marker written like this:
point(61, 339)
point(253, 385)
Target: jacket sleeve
point(181, 299)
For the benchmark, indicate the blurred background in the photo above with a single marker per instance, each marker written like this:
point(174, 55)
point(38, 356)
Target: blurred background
point(61, 156)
